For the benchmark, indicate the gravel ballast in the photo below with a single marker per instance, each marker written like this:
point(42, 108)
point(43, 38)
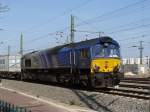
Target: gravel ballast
point(93, 100)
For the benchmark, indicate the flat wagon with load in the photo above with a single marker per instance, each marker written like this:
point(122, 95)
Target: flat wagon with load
point(10, 66)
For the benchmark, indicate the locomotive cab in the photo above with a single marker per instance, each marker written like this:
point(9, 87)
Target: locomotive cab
point(105, 59)
point(105, 63)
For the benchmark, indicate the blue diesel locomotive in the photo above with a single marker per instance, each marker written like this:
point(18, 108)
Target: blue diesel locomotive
point(94, 62)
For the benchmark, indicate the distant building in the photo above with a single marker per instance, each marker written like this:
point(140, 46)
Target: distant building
point(133, 65)
point(131, 61)
point(10, 63)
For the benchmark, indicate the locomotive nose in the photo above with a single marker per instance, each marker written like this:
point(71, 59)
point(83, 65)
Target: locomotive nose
point(104, 65)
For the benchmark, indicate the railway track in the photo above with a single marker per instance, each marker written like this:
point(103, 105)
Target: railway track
point(135, 85)
point(131, 87)
point(145, 95)
point(139, 83)
point(137, 79)
point(140, 91)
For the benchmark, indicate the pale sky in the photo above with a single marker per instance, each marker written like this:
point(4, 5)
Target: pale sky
point(127, 21)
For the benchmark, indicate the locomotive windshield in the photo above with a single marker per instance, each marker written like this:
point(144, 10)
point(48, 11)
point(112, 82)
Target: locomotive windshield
point(106, 51)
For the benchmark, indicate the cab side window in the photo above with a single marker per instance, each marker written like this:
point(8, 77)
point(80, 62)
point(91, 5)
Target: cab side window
point(28, 63)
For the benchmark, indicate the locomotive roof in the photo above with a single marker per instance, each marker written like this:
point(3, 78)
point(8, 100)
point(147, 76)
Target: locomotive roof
point(94, 41)
point(90, 42)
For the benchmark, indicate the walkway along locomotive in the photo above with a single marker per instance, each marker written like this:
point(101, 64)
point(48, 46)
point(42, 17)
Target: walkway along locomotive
point(94, 62)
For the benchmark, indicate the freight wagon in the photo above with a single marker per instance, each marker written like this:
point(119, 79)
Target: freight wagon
point(10, 66)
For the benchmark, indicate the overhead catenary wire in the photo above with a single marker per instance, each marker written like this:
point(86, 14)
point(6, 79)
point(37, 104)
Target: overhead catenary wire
point(46, 35)
point(86, 2)
point(130, 5)
point(85, 22)
point(125, 39)
point(128, 24)
point(121, 26)
point(55, 18)
point(131, 28)
point(92, 32)
point(58, 16)
point(88, 21)
point(134, 37)
point(119, 15)
point(120, 30)
point(117, 31)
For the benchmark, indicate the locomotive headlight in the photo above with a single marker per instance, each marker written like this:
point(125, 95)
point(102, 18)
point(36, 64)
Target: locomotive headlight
point(96, 68)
